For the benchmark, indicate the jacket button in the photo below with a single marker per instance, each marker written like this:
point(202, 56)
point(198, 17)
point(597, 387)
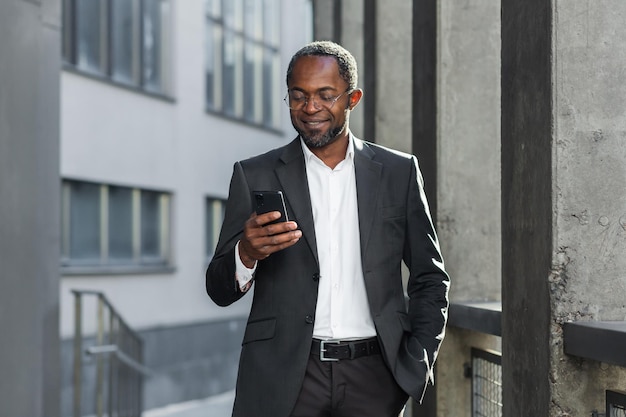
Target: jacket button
point(316, 276)
point(309, 319)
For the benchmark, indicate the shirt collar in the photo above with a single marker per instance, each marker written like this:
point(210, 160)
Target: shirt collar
point(310, 156)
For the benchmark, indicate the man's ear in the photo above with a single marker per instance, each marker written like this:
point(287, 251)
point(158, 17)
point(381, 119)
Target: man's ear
point(355, 98)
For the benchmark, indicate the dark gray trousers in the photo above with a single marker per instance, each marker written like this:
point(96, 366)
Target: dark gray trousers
point(362, 387)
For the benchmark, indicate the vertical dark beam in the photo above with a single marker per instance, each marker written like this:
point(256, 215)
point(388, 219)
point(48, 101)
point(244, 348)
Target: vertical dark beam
point(369, 73)
point(424, 141)
point(424, 95)
point(109, 39)
point(526, 206)
point(314, 8)
point(337, 20)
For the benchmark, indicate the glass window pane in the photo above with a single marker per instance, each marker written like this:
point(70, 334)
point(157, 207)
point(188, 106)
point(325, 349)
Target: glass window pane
point(84, 222)
point(248, 82)
point(214, 218)
point(124, 27)
point(232, 14)
point(89, 26)
point(271, 68)
point(271, 22)
point(120, 224)
point(253, 82)
point(241, 77)
point(210, 64)
point(213, 8)
point(150, 225)
point(155, 13)
point(229, 73)
point(237, 14)
point(210, 229)
point(253, 18)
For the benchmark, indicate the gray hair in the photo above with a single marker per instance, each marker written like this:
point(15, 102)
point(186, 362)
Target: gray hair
point(345, 61)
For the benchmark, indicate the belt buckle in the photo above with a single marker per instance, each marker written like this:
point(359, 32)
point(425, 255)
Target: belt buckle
point(323, 344)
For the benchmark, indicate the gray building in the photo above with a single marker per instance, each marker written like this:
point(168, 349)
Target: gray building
point(121, 122)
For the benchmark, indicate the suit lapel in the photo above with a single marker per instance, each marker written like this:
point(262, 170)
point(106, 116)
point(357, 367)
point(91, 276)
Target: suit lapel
point(368, 175)
point(292, 176)
point(291, 173)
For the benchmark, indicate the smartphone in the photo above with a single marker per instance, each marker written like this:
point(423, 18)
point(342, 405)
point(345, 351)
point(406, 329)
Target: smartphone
point(266, 201)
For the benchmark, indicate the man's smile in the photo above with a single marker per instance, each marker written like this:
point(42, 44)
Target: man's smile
point(314, 123)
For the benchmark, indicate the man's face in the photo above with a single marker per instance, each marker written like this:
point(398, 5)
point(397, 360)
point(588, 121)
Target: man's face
point(314, 80)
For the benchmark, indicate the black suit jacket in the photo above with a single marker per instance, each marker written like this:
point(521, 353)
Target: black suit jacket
point(395, 226)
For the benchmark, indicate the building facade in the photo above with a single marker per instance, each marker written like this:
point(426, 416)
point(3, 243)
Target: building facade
point(159, 98)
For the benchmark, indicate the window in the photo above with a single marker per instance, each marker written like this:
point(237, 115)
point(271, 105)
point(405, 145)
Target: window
point(107, 226)
point(125, 41)
point(242, 60)
point(214, 216)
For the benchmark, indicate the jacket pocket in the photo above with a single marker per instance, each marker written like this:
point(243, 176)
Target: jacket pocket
point(404, 321)
point(259, 330)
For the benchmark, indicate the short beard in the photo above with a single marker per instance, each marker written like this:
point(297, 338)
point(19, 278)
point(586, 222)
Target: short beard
point(321, 139)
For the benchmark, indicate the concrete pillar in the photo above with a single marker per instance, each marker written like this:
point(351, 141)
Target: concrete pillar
point(393, 78)
point(324, 12)
point(352, 27)
point(588, 268)
point(563, 197)
point(29, 207)
point(342, 21)
point(468, 177)
point(468, 120)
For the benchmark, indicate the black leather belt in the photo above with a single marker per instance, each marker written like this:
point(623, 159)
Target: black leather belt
point(334, 350)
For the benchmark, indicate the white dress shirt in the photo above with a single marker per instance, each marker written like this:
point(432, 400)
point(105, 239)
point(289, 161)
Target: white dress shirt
point(342, 310)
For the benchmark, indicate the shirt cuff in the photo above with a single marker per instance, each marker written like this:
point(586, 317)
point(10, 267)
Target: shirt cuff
point(243, 274)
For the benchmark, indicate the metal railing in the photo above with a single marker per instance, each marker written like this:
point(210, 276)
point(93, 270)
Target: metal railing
point(108, 365)
point(486, 384)
point(615, 404)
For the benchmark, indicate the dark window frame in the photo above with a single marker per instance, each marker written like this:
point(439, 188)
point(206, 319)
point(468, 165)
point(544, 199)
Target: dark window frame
point(104, 263)
point(242, 109)
point(105, 73)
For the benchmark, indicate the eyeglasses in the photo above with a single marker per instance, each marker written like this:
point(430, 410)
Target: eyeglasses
point(296, 100)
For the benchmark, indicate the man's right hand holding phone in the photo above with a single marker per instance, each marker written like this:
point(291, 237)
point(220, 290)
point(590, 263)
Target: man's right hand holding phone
point(260, 239)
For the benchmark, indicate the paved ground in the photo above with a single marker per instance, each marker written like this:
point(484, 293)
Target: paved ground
point(216, 406)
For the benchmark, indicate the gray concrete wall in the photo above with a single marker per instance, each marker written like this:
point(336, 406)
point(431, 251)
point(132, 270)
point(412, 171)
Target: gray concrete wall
point(324, 20)
point(394, 76)
point(468, 130)
point(588, 279)
point(29, 207)
point(342, 22)
point(468, 179)
point(352, 40)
